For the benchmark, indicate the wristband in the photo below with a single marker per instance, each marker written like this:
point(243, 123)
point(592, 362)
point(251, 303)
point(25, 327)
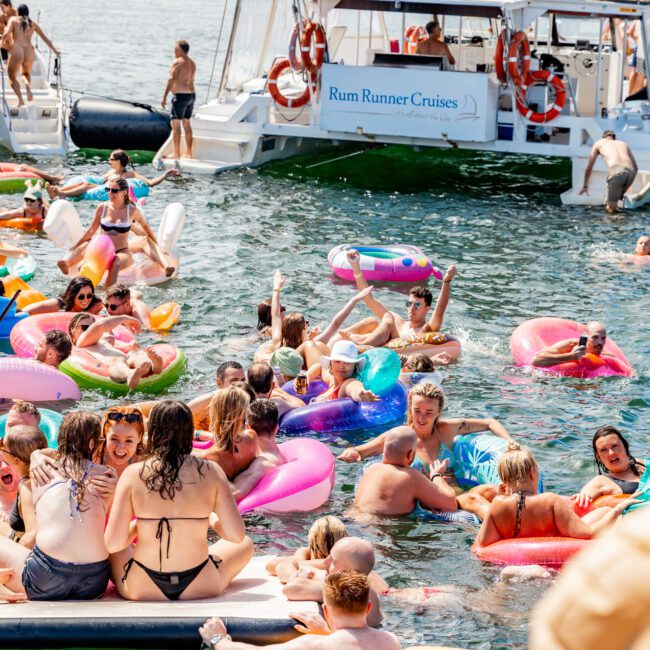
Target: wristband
point(446, 281)
point(197, 435)
point(436, 475)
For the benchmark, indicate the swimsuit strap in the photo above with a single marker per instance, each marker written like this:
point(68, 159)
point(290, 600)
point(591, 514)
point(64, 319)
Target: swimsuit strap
point(521, 502)
point(74, 488)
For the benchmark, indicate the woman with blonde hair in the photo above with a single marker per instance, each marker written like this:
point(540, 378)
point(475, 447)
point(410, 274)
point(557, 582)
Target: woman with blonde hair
point(234, 446)
point(521, 512)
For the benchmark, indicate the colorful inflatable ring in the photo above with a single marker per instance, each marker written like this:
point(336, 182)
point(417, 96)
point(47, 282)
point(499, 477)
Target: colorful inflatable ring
point(398, 263)
point(410, 379)
point(28, 296)
point(547, 551)
point(12, 318)
point(23, 267)
point(302, 484)
point(98, 258)
point(139, 189)
point(536, 78)
point(164, 317)
point(533, 335)
point(34, 381)
point(12, 178)
point(23, 223)
point(49, 425)
point(431, 343)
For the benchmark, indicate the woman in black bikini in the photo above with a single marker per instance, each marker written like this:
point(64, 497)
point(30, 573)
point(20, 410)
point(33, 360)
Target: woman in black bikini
point(172, 495)
point(116, 219)
point(618, 471)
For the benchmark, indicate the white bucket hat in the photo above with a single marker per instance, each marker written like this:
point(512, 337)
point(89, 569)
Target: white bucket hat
point(344, 351)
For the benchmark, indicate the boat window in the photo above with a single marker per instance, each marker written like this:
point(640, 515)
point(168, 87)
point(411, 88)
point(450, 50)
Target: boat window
point(573, 30)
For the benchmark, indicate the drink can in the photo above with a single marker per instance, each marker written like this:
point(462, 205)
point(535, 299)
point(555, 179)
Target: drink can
point(301, 383)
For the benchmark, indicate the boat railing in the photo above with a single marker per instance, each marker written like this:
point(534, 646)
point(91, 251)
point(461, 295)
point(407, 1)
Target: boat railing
point(6, 111)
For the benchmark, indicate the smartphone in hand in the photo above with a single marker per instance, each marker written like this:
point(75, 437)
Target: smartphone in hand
point(583, 341)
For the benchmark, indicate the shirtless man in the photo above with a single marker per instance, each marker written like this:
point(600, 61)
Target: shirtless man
point(642, 248)
point(346, 606)
point(261, 417)
point(349, 553)
point(261, 380)
point(393, 487)
point(22, 414)
point(570, 350)
point(393, 326)
point(54, 349)
point(96, 337)
point(435, 45)
point(181, 85)
point(119, 302)
point(620, 163)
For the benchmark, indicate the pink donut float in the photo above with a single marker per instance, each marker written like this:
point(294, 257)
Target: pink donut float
point(302, 484)
point(34, 381)
point(533, 335)
point(25, 339)
point(547, 551)
point(398, 263)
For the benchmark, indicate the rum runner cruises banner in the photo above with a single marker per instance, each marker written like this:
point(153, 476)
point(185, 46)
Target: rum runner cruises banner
point(409, 102)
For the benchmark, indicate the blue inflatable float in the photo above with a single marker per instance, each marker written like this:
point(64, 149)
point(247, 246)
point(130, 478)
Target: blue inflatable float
point(99, 193)
point(10, 319)
point(50, 423)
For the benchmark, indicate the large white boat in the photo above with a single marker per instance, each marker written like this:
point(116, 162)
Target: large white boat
point(41, 126)
point(539, 77)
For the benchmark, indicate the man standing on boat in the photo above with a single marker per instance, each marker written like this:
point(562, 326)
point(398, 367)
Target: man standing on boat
point(435, 45)
point(181, 85)
point(621, 166)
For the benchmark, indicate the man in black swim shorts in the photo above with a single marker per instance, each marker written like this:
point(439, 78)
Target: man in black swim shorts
point(181, 84)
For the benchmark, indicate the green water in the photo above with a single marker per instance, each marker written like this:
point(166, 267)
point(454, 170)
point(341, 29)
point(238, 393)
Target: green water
point(519, 252)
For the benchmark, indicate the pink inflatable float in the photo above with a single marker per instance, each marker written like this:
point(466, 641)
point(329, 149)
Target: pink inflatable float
point(32, 381)
point(302, 484)
point(399, 263)
point(546, 551)
point(533, 335)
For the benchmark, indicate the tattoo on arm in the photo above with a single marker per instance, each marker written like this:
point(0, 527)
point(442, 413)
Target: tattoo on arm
point(463, 426)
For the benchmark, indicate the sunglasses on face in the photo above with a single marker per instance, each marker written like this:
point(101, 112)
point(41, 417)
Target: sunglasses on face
point(112, 160)
point(410, 303)
point(85, 326)
point(28, 200)
point(85, 296)
point(131, 418)
point(114, 190)
point(113, 306)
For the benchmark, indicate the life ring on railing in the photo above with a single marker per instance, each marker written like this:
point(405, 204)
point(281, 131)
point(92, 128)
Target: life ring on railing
point(519, 50)
point(414, 34)
point(554, 109)
point(317, 31)
point(278, 97)
point(499, 66)
point(295, 51)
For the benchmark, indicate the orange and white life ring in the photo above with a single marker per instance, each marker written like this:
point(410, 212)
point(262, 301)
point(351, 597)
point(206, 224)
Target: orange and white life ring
point(295, 51)
point(414, 34)
point(519, 50)
point(536, 78)
point(499, 50)
point(288, 102)
point(317, 32)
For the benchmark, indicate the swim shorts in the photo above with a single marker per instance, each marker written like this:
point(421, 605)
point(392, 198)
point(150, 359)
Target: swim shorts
point(619, 180)
point(183, 106)
point(46, 578)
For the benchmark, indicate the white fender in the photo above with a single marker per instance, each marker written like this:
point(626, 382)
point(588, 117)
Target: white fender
point(171, 226)
point(62, 224)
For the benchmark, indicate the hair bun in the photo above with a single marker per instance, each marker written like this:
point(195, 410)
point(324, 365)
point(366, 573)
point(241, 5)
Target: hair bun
point(513, 446)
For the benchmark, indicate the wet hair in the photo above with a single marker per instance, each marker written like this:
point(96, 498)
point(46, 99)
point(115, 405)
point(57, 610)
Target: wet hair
point(25, 20)
point(20, 406)
point(428, 390)
point(293, 326)
point(75, 320)
point(170, 433)
point(347, 591)
point(66, 299)
point(227, 416)
point(264, 318)
point(79, 435)
point(117, 291)
point(223, 367)
point(122, 157)
point(22, 440)
point(422, 292)
point(106, 424)
point(184, 45)
point(516, 464)
point(323, 534)
point(260, 378)
point(60, 342)
point(609, 430)
point(262, 417)
point(609, 134)
point(419, 363)
point(431, 25)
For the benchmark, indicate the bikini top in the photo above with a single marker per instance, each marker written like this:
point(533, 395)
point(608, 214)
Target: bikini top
point(444, 453)
point(627, 487)
point(43, 215)
point(117, 228)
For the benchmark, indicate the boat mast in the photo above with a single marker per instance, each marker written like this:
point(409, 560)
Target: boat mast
point(231, 41)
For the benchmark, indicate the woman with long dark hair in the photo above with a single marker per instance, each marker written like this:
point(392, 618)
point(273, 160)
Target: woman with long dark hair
point(78, 296)
point(172, 496)
point(618, 471)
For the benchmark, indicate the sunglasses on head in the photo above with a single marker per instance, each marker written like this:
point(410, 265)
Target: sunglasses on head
point(131, 418)
point(411, 303)
point(114, 190)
